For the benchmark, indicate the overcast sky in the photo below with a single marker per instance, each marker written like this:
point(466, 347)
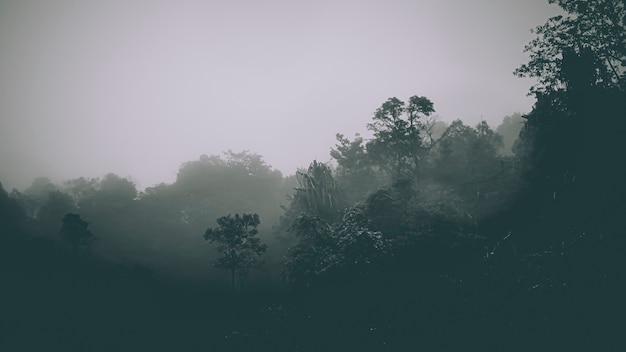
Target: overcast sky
point(138, 87)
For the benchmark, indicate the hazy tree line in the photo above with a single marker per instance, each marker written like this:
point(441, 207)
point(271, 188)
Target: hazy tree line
point(426, 235)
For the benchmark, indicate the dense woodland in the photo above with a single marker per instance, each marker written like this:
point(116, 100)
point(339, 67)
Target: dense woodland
point(428, 235)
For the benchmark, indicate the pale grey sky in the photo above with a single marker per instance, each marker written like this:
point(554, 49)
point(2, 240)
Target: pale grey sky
point(138, 87)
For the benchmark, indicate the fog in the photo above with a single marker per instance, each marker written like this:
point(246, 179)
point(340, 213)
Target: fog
point(137, 88)
point(323, 176)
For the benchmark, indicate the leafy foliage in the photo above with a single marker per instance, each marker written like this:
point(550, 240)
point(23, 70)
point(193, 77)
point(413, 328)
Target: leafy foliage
point(237, 243)
point(318, 192)
point(398, 129)
point(566, 152)
point(461, 259)
point(346, 250)
point(356, 172)
point(594, 28)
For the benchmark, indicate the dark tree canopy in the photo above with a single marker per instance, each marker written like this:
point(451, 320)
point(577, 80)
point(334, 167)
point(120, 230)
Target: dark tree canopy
point(75, 232)
point(595, 29)
point(346, 250)
point(116, 189)
point(426, 236)
point(237, 243)
point(318, 192)
point(11, 214)
point(398, 129)
point(356, 172)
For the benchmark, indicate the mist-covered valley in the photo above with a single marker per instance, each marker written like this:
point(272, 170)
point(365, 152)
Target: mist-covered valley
point(420, 233)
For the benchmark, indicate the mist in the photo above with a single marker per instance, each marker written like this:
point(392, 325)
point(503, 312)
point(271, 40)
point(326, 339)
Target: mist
point(328, 176)
point(138, 88)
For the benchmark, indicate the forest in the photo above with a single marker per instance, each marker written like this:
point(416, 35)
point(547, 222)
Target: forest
point(427, 236)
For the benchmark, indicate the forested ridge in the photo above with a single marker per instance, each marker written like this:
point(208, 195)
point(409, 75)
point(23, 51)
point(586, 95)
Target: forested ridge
point(427, 236)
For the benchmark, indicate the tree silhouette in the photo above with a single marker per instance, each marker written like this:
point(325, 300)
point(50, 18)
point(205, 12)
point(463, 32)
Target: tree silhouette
point(398, 129)
point(237, 243)
point(596, 28)
point(356, 173)
point(318, 193)
point(75, 232)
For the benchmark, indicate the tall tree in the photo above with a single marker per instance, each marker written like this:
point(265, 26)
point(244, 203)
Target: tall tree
point(237, 244)
point(398, 128)
point(566, 150)
point(596, 28)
